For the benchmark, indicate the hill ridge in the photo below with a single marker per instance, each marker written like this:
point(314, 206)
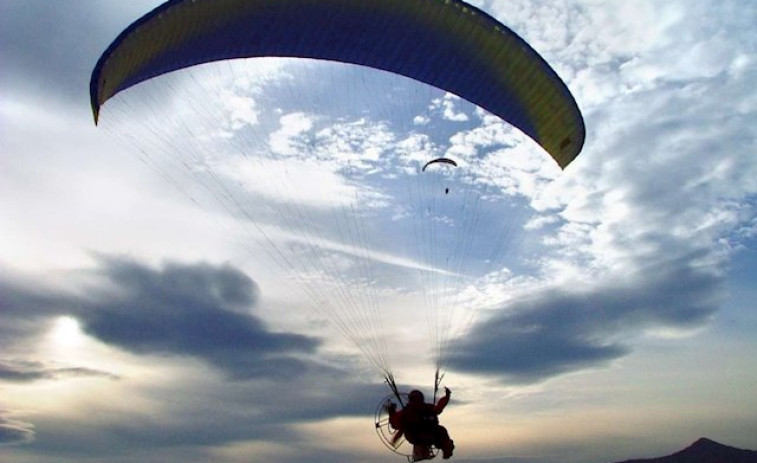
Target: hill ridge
point(704, 450)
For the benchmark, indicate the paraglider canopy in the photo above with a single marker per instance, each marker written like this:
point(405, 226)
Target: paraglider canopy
point(439, 160)
point(445, 43)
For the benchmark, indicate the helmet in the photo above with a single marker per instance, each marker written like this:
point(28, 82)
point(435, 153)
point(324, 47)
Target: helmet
point(415, 396)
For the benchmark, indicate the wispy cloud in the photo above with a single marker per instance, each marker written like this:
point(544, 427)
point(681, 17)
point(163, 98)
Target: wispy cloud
point(14, 431)
point(27, 371)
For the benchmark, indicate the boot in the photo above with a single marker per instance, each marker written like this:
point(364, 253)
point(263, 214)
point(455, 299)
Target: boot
point(447, 449)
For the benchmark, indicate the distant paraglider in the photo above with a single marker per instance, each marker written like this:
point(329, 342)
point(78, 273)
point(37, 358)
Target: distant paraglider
point(439, 160)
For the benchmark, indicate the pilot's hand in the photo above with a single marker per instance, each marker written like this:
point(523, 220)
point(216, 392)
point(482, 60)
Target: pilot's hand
point(447, 392)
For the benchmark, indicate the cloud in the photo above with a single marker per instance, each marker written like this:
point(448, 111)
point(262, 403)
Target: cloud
point(197, 311)
point(197, 422)
point(190, 310)
point(359, 144)
point(26, 306)
point(284, 141)
point(52, 50)
point(446, 107)
point(21, 371)
point(648, 215)
point(302, 182)
point(241, 110)
point(201, 412)
point(555, 330)
point(503, 157)
point(14, 432)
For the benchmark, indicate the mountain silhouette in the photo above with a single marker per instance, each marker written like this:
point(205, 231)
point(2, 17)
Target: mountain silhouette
point(705, 451)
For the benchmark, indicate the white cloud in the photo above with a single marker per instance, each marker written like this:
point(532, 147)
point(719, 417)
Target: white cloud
point(658, 174)
point(359, 146)
point(448, 109)
point(498, 155)
point(297, 181)
point(414, 151)
point(288, 139)
point(241, 109)
point(421, 120)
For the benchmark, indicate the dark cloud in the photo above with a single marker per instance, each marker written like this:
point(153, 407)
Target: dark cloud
point(14, 431)
point(260, 411)
point(211, 415)
point(26, 308)
point(21, 371)
point(197, 311)
point(52, 50)
point(565, 330)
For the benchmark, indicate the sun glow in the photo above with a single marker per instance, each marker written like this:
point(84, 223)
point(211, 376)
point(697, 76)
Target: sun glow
point(66, 332)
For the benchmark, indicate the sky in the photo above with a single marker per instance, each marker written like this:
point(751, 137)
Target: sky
point(225, 266)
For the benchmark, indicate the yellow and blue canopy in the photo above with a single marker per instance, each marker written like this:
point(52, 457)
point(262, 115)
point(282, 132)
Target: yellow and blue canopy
point(445, 43)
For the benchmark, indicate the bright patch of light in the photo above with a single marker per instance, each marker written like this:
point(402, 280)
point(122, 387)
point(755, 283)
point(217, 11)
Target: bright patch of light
point(67, 333)
point(285, 141)
point(294, 181)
